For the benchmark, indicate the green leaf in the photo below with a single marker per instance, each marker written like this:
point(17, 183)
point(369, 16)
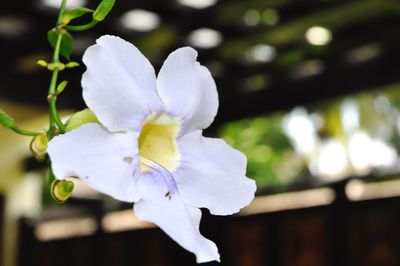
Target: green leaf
point(103, 9)
point(66, 42)
point(6, 120)
point(80, 118)
point(52, 37)
point(66, 45)
point(75, 13)
point(61, 87)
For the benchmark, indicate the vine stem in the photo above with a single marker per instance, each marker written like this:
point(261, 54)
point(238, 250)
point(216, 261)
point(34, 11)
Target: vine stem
point(54, 117)
point(82, 27)
point(25, 132)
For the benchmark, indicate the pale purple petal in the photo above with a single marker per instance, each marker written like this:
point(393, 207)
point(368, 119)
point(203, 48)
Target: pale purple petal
point(164, 207)
point(119, 85)
point(104, 161)
point(212, 175)
point(188, 90)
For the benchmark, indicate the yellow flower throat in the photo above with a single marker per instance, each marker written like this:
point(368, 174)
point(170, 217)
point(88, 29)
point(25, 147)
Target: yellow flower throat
point(157, 142)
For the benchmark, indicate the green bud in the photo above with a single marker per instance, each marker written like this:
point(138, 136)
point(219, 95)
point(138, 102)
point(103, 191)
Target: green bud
point(61, 87)
point(38, 146)
point(42, 63)
point(74, 13)
point(103, 9)
point(6, 120)
point(61, 190)
point(56, 66)
point(72, 64)
point(80, 118)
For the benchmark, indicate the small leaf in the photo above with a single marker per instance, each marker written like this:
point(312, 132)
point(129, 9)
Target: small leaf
point(52, 37)
point(61, 87)
point(66, 45)
point(74, 13)
point(6, 120)
point(66, 42)
point(72, 64)
point(103, 9)
point(80, 118)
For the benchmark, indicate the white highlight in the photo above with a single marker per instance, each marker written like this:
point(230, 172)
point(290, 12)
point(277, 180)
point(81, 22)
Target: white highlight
point(382, 154)
point(70, 3)
point(290, 200)
point(123, 221)
point(357, 190)
point(263, 53)
point(332, 161)
point(140, 20)
point(317, 35)
point(198, 4)
point(359, 144)
point(301, 130)
point(205, 38)
point(350, 116)
point(66, 228)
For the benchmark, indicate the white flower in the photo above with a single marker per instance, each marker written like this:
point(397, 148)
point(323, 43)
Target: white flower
point(149, 147)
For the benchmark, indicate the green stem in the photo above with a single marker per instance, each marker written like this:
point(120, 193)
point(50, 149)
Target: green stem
point(25, 132)
point(51, 177)
point(54, 117)
point(82, 27)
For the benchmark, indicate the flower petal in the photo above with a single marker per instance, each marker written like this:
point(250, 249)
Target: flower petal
point(188, 89)
point(212, 175)
point(181, 222)
point(119, 85)
point(104, 161)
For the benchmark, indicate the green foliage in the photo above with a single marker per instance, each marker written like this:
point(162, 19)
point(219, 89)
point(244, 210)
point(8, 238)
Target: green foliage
point(72, 64)
point(60, 88)
point(270, 155)
point(80, 118)
point(103, 9)
point(6, 120)
point(66, 41)
point(274, 163)
point(74, 13)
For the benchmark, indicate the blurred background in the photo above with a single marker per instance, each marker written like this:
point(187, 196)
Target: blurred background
point(309, 91)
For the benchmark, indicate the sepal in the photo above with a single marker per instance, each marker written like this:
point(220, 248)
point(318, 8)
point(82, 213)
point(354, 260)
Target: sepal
point(80, 118)
point(38, 146)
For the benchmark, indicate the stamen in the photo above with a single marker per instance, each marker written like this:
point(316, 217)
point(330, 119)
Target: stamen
point(162, 173)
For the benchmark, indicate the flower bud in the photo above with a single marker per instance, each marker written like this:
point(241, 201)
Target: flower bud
point(61, 190)
point(38, 146)
point(42, 63)
point(72, 64)
point(61, 87)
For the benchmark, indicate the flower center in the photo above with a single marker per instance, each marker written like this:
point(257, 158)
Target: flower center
point(157, 142)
